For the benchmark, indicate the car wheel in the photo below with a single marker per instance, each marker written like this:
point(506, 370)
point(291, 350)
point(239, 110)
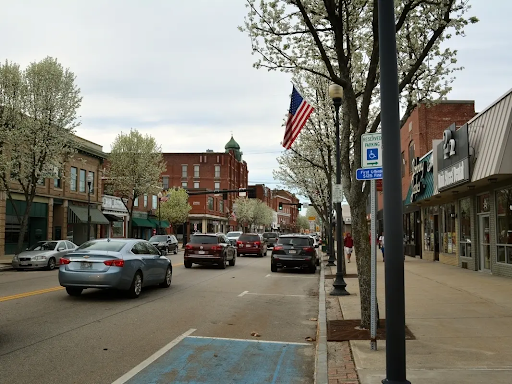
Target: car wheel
point(312, 269)
point(167, 279)
point(51, 264)
point(74, 291)
point(188, 264)
point(222, 265)
point(136, 287)
point(273, 267)
point(232, 261)
point(176, 249)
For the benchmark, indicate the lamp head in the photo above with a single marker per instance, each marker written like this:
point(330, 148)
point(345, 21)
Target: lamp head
point(160, 195)
point(335, 91)
point(90, 178)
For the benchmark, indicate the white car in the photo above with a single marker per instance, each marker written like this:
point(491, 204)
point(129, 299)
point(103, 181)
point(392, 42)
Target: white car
point(233, 236)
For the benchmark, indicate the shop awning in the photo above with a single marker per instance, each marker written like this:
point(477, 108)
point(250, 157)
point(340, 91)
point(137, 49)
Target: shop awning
point(427, 186)
point(164, 224)
point(78, 214)
point(138, 222)
point(111, 217)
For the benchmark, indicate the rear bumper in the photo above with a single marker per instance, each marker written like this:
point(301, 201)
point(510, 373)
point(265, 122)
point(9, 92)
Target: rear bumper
point(293, 263)
point(250, 250)
point(30, 264)
point(203, 259)
point(113, 278)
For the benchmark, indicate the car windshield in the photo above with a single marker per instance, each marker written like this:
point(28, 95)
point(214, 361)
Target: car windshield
point(203, 239)
point(159, 238)
point(269, 234)
point(246, 237)
point(300, 241)
point(112, 246)
point(43, 246)
point(233, 234)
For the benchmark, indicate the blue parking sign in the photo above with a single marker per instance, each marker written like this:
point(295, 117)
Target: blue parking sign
point(372, 154)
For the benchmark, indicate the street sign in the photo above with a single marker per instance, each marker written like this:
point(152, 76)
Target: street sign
point(337, 193)
point(371, 150)
point(369, 173)
point(311, 218)
point(305, 205)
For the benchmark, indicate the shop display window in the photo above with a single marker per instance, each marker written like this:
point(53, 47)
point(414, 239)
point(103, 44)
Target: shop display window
point(448, 236)
point(504, 225)
point(465, 227)
point(428, 222)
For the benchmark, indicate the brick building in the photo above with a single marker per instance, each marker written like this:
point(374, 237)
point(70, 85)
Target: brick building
point(208, 170)
point(59, 210)
point(285, 219)
point(426, 123)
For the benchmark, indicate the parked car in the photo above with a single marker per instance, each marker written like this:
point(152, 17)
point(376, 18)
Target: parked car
point(251, 244)
point(294, 251)
point(233, 236)
point(270, 238)
point(125, 264)
point(43, 254)
point(209, 248)
point(165, 243)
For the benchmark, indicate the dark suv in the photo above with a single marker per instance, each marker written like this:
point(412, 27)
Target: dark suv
point(165, 243)
point(295, 251)
point(251, 244)
point(270, 238)
point(209, 248)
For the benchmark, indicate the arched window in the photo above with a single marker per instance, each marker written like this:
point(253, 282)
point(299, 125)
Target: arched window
point(411, 155)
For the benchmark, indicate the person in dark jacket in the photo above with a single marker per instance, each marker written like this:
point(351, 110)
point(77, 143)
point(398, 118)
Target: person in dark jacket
point(348, 242)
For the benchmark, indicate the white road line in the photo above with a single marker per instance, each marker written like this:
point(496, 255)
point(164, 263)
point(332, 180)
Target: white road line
point(128, 375)
point(273, 294)
point(251, 340)
point(243, 293)
point(268, 275)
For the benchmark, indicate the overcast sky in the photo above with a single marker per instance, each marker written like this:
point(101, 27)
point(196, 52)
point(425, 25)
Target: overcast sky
point(182, 72)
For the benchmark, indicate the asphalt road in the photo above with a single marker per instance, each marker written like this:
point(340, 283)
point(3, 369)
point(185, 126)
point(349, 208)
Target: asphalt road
point(47, 336)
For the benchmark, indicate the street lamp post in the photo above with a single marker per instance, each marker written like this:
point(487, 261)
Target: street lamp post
point(89, 187)
point(159, 215)
point(332, 257)
point(336, 93)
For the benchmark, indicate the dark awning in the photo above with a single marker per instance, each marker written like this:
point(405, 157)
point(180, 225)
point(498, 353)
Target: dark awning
point(78, 215)
point(138, 222)
point(111, 217)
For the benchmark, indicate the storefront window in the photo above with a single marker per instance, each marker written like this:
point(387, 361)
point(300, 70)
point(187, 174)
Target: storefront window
point(428, 223)
point(465, 227)
point(118, 229)
point(210, 203)
point(483, 203)
point(504, 225)
point(447, 213)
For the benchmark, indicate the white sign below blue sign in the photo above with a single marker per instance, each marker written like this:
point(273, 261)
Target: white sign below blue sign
point(369, 173)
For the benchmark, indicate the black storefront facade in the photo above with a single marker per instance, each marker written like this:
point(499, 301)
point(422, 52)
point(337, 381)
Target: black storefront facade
point(467, 220)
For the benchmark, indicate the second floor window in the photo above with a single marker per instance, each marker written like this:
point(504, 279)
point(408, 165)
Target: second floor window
point(155, 201)
point(184, 184)
point(136, 202)
point(210, 203)
point(82, 181)
point(403, 164)
point(196, 184)
point(184, 170)
point(221, 206)
point(217, 185)
point(165, 182)
point(411, 155)
point(145, 201)
point(196, 170)
point(72, 180)
point(217, 171)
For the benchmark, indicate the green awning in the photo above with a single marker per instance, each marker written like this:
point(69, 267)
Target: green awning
point(159, 224)
point(164, 224)
point(79, 215)
point(427, 185)
point(137, 222)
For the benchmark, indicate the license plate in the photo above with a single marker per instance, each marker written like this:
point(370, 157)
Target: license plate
point(201, 252)
point(292, 251)
point(23, 263)
point(247, 245)
point(86, 265)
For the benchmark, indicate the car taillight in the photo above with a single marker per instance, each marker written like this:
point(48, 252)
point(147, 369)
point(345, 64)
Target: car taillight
point(114, 263)
point(278, 248)
point(238, 243)
point(257, 243)
point(189, 247)
point(216, 248)
point(64, 261)
point(308, 249)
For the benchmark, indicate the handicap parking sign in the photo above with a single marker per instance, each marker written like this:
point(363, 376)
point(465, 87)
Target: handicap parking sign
point(372, 154)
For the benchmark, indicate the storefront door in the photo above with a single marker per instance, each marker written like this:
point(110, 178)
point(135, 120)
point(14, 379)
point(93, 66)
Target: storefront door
point(485, 242)
point(436, 237)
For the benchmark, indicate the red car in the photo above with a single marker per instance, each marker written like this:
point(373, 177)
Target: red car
point(209, 248)
point(251, 244)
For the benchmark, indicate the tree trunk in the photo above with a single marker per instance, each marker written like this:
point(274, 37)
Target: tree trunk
point(130, 221)
point(24, 223)
point(362, 247)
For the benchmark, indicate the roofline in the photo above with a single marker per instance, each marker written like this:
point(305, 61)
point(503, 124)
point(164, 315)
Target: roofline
point(490, 106)
point(426, 154)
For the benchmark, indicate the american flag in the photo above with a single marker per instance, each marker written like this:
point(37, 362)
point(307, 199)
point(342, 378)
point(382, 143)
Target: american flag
point(299, 113)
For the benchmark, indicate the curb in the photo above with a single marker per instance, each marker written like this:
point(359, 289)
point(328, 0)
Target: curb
point(5, 267)
point(321, 376)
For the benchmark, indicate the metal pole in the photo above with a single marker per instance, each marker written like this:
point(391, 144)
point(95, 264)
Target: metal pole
point(88, 211)
point(332, 257)
point(159, 216)
point(394, 264)
point(373, 234)
point(339, 283)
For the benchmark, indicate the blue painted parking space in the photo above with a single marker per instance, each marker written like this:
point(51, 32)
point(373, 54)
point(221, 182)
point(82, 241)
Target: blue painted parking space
point(212, 360)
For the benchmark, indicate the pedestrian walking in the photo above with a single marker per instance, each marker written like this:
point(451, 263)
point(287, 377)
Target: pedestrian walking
point(381, 244)
point(348, 242)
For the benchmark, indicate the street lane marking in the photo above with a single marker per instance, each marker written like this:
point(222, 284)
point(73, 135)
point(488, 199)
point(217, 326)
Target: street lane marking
point(28, 294)
point(248, 340)
point(151, 359)
point(243, 293)
point(41, 291)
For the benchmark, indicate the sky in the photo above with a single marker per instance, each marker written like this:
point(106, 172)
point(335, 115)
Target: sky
point(182, 72)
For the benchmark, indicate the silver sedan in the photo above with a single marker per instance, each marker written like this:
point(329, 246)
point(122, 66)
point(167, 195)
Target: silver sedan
point(43, 254)
point(125, 264)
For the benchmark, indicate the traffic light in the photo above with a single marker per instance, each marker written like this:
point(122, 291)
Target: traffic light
point(280, 206)
point(299, 206)
point(251, 193)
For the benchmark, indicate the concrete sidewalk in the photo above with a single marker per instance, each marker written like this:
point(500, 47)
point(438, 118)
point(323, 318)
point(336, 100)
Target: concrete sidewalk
point(5, 262)
point(462, 321)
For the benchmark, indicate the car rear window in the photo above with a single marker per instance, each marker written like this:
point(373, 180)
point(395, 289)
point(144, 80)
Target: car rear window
point(203, 239)
point(111, 246)
point(269, 234)
point(246, 237)
point(300, 241)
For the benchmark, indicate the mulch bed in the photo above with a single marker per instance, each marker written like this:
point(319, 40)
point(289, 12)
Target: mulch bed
point(348, 275)
point(344, 330)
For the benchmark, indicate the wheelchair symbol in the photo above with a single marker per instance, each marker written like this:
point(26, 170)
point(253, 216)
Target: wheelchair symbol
point(372, 154)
